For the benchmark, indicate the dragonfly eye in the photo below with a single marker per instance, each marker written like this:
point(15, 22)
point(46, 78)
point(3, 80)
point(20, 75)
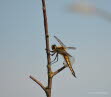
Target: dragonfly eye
point(53, 47)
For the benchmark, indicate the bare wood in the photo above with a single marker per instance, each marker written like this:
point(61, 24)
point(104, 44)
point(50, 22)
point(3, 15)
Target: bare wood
point(49, 70)
point(47, 50)
point(59, 70)
point(38, 82)
point(46, 32)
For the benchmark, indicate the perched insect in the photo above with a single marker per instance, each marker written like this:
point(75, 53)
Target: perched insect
point(68, 59)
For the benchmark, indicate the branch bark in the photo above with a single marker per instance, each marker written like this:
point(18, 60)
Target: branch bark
point(59, 70)
point(38, 82)
point(47, 50)
point(49, 70)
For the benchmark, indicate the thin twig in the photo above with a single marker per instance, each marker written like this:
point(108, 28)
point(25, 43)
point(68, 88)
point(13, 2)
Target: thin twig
point(59, 70)
point(38, 82)
point(48, 50)
point(50, 73)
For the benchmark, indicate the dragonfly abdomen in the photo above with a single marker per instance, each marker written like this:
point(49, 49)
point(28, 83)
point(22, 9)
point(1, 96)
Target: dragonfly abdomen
point(67, 59)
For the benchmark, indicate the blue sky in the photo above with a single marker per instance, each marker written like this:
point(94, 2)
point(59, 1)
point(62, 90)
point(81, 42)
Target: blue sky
point(22, 49)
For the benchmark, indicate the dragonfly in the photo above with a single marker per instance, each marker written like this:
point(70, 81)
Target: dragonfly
point(62, 50)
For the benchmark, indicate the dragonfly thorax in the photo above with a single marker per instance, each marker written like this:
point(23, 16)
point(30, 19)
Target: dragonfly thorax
point(54, 47)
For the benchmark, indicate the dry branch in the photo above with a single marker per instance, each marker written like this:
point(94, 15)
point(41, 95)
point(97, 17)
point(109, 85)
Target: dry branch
point(49, 70)
point(48, 50)
point(38, 82)
point(59, 70)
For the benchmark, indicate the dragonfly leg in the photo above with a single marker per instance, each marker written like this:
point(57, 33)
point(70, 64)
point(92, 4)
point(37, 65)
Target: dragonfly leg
point(49, 51)
point(55, 59)
point(53, 54)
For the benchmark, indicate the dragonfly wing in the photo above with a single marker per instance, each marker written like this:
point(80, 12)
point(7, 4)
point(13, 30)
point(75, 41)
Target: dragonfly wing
point(73, 48)
point(63, 45)
point(64, 53)
point(65, 63)
point(60, 42)
point(72, 59)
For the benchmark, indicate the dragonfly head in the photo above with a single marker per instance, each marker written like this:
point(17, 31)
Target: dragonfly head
point(54, 47)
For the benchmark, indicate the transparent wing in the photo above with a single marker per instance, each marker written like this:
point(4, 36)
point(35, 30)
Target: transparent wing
point(63, 45)
point(60, 42)
point(73, 48)
point(72, 60)
point(64, 53)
